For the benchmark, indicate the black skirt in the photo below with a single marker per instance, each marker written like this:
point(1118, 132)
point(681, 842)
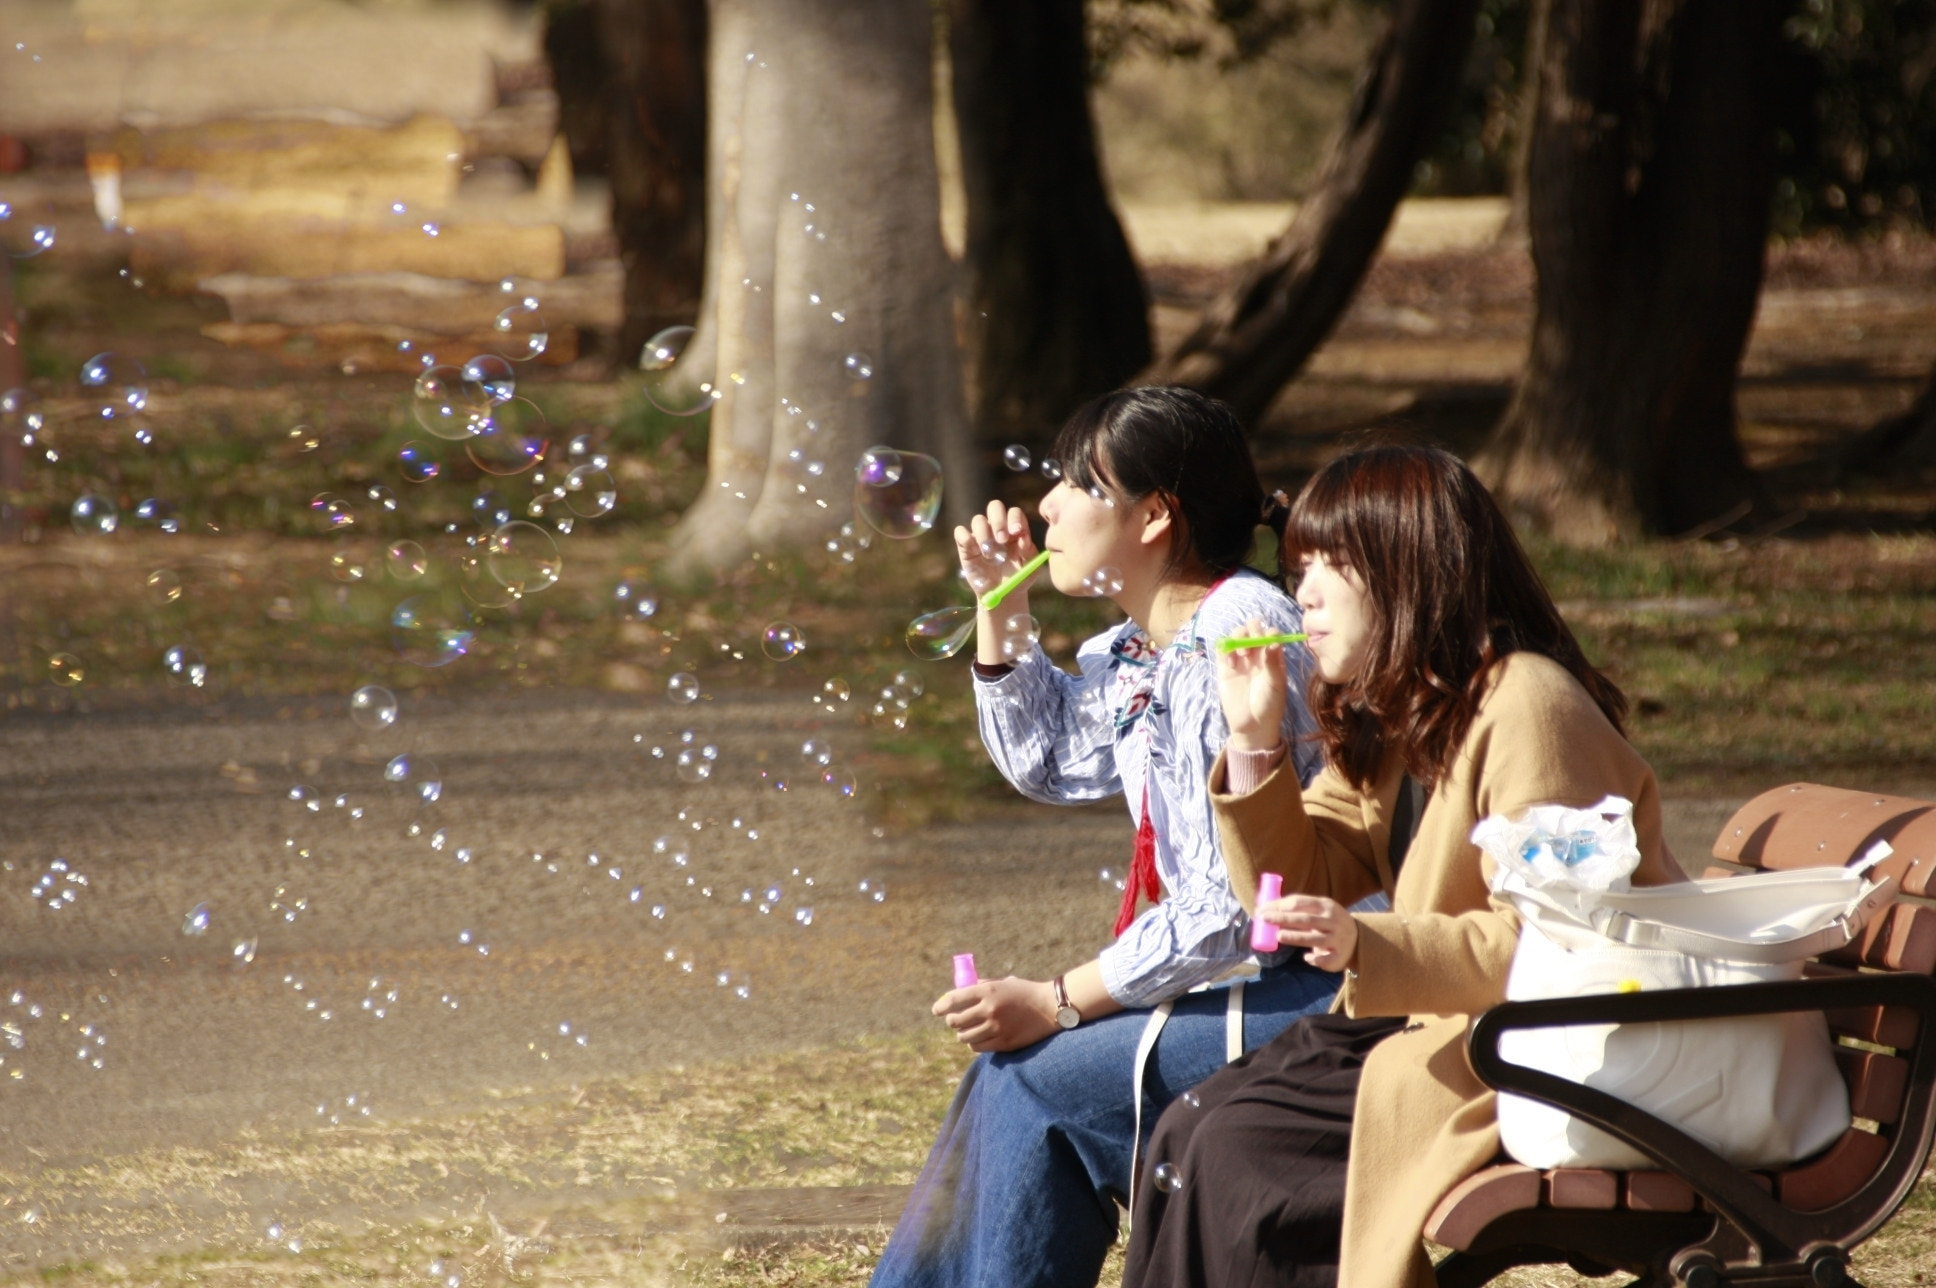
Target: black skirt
point(1245, 1186)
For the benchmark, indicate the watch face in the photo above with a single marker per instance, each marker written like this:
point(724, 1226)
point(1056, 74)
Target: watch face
point(1068, 1017)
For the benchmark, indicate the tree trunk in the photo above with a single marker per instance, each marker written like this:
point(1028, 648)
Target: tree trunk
point(1253, 340)
point(655, 146)
point(1057, 311)
point(824, 210)
point(1652, 172)
point(1514, 230)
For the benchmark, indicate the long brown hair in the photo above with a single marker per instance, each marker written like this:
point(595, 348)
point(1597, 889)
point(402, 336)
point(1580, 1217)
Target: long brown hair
point(1451, 592)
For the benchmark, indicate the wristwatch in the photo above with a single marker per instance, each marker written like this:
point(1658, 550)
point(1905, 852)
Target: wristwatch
point(1066, 1016)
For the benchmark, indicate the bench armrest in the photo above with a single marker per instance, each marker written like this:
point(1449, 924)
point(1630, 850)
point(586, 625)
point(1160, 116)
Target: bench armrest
point(1778, 1231)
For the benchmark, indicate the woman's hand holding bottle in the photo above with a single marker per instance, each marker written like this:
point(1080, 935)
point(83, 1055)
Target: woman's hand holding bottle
point(1254, 689)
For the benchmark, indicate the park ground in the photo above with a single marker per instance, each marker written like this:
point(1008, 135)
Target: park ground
point(697, 1137)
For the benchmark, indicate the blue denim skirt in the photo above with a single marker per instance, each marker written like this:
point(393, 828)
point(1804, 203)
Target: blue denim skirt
point(1022, 1187)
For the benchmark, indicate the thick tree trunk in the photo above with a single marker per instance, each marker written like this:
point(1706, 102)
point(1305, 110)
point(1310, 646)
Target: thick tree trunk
point(1652, 171)
point(1057, 311)
point(824, 210)
point(1253, 340)
point(655, 151)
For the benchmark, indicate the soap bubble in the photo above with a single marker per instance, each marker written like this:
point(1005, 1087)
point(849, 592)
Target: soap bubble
point(874, 888)
point(349, 560)
point(196, 922)
point(663, 349)
point(523, 557)
point(906, 686)
point(695, 764)
point(414, 776)
point(93, 516)
point(590, 491)
point(783, 641)
point(418, 462)
point(159, 513)
point(1104, 583)
point(488, 379)
point(509, 438)
point(832, 691)
point(933, 636)
point(26, 230)
point(183, 665)
point(406, 560)
point(1051, 470)
point(803, 915)
point(432, 630)
point(858, 366)
point(1167, 1178)
point(1020, 634)
point(1017, 458)
point(817, 752)
point(117, 385)
point(66, 670)
point(373, 707)
point(521, 331)
point(897, 493)
point(489, 510)
point(843, 782)
point(665, 387)
point(21, 414)
point(164, 585)
point(333, 511)
point(878, 467)
point(683, 687)
point(636, 601)
point(1191, 1099)
point(385, 499)
point(440, 406)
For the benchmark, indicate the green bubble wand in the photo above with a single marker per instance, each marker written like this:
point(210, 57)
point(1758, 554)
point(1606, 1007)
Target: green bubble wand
point(1236, 642)
point(993, 599)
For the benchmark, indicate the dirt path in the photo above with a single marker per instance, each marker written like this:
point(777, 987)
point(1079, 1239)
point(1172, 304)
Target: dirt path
point(159, 813)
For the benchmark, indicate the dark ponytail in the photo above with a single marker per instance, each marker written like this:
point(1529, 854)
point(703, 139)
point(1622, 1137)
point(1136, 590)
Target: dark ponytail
point(1186, 447)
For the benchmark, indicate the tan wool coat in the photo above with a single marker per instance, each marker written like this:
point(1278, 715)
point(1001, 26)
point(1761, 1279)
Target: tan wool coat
point(1424, 1121)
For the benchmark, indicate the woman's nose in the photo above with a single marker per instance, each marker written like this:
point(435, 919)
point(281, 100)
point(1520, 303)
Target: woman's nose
point(1049, 505)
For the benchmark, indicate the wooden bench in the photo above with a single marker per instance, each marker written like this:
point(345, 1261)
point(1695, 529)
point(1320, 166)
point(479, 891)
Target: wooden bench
point(1697, 1220)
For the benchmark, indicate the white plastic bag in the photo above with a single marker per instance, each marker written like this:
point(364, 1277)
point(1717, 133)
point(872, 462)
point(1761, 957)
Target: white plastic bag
point(1758, 1090)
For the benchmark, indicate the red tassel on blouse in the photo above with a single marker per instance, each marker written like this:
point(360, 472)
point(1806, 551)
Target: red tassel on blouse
point(1142, 870)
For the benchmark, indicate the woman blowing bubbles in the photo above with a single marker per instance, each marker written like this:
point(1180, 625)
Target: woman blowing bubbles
point(1157, 509)
point(1443, 672)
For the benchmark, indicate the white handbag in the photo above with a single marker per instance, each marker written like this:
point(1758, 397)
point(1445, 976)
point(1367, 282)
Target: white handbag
point(1758, 1090)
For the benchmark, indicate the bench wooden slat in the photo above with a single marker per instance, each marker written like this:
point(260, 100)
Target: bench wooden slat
point(1914, 861)
point(1835, 1175)
point(1876, 1083)
point(1890, 1026)
point(1480, 1199)
point(1582, 1187)
point(1808, 825)
point(1903, 938)
point(1658, 1192)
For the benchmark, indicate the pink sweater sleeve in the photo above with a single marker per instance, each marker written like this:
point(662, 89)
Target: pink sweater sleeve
point(1246, 770)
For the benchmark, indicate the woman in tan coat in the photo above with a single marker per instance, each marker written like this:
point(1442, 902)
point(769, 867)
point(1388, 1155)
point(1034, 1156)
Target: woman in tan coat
point(1446, 689)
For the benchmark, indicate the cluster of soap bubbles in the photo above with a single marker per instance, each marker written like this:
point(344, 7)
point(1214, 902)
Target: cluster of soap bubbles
point(23, 1014)
point(59, 886)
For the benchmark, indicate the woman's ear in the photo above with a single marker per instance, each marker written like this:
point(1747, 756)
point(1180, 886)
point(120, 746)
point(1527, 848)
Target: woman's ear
point(1159, 519)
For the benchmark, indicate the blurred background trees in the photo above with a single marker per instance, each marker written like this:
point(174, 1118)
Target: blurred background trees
point(1717, 125)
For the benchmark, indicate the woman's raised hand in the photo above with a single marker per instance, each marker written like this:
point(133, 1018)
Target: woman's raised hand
point(1254, 688)
point(1324, 928)
point(994, 545)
